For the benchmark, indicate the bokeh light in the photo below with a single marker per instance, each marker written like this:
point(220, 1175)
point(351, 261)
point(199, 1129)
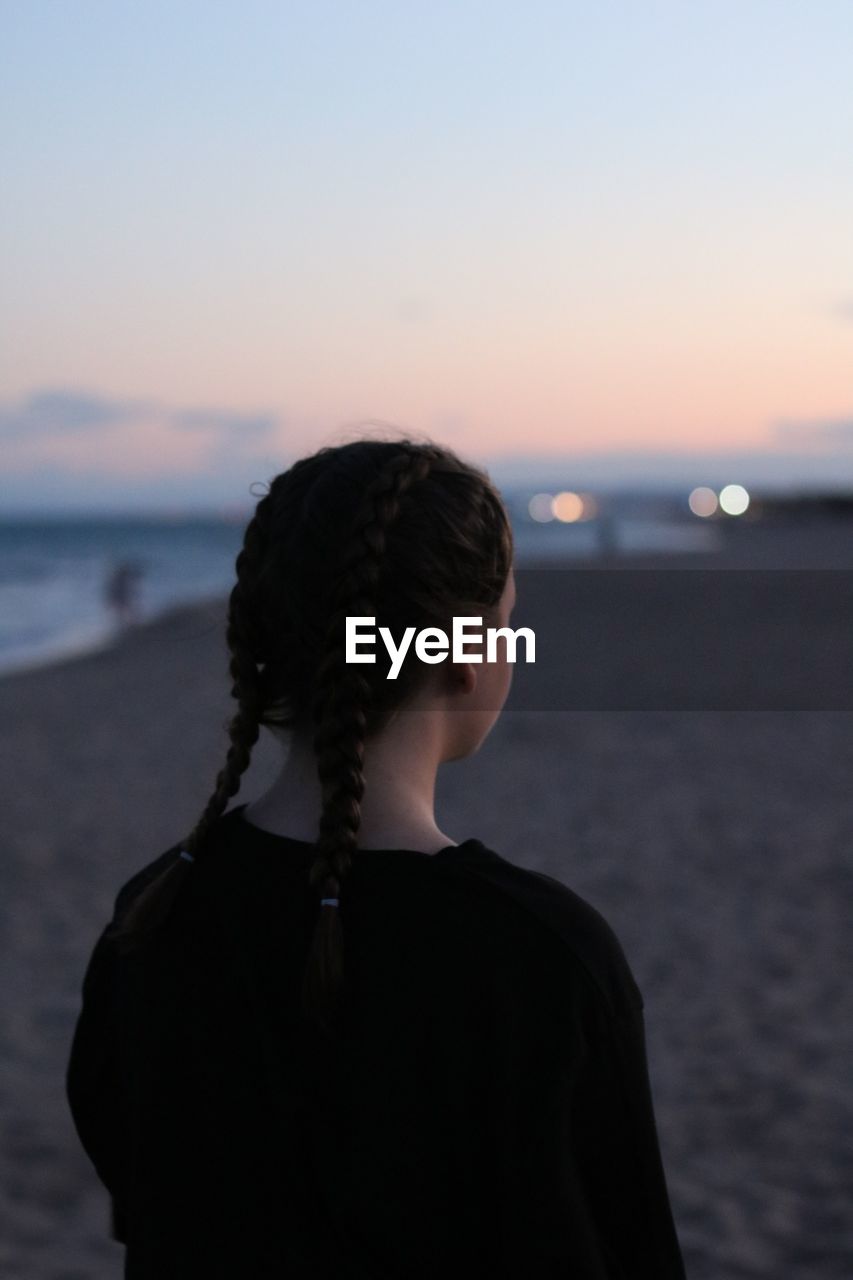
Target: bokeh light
point(702, 501)
point(734, 499)
point(540, 507)
point(568, 507)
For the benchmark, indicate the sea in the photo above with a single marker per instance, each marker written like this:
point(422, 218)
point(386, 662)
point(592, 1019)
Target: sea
point(58, 574)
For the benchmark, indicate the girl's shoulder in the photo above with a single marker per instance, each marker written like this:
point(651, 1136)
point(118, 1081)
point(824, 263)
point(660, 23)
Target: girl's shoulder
point(572, 929)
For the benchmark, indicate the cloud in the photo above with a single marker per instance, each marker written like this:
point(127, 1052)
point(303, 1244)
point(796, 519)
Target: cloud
point(757, 468)
point(826, 431)
point(49, 412)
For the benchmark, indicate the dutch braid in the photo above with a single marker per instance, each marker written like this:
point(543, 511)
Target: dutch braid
point(246, 647)
point(342, 699)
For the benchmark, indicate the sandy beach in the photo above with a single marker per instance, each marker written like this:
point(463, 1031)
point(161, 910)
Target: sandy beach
point(716, 840)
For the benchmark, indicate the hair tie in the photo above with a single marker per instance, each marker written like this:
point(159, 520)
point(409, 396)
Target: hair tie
point(187, 856)
point(333, 902)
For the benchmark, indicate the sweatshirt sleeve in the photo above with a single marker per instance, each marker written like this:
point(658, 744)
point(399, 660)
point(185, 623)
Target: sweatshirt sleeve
point(619, 1164)
point(93, 1081)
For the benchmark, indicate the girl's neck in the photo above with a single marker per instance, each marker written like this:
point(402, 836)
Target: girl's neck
point(397, 807)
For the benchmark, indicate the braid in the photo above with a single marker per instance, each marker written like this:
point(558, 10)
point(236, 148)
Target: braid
point(341, 702)
point(315, 552)
point(245, 643)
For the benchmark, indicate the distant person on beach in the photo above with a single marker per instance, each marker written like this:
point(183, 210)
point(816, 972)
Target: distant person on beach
point(121, 591)
point(319, 1036)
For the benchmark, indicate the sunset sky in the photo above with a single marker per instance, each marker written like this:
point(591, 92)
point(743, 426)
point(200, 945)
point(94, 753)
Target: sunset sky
point(233, 232)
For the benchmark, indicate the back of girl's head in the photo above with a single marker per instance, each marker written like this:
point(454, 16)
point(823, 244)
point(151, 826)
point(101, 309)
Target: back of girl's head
point(401, 530)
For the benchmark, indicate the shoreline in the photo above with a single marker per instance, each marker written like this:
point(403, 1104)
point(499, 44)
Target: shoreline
point(820, 543)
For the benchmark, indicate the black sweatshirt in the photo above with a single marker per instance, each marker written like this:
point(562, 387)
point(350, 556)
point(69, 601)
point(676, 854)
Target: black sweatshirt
point(486, 1112)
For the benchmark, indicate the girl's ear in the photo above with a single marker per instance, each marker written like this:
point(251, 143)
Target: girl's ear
point(462, 677)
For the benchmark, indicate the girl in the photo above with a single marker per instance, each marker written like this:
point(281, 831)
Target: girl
point(319, 1037)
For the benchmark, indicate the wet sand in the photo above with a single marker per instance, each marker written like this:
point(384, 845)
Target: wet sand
point(717, 842)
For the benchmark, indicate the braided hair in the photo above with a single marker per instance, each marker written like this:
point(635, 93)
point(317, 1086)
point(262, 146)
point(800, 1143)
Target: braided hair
point(401, 530)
